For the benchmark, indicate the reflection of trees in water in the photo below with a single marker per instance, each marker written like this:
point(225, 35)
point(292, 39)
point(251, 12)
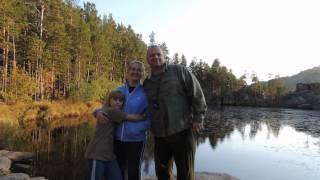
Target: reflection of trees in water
point(216, 128)
point(305, 122)
point(58, 145)
point(67, 155)
point(255, 118)
point(220, 124)
point(148, 152)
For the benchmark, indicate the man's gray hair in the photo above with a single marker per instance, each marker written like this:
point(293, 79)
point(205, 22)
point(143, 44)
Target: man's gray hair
point(151, 46)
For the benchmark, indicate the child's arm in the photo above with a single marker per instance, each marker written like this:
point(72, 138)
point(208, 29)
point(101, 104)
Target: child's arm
point(135, 117)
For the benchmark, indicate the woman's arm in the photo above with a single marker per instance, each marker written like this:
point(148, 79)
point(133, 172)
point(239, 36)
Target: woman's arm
point(99, 115)
point(135, 117)
point(116, 115)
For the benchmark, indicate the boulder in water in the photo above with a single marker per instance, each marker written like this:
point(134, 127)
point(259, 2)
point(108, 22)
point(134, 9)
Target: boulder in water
point(16, 156)
point(5, 164)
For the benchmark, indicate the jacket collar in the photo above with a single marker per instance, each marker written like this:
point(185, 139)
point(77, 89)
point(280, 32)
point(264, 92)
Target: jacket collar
point(165, 68)
point(127, 84)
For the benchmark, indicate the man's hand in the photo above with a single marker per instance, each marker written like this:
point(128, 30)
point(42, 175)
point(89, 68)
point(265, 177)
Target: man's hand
point(102, 118)
point(196, 127)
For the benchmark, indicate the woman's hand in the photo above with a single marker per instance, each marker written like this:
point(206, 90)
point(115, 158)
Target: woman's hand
point(197, 127)
point(101, 117)
point(135, 117)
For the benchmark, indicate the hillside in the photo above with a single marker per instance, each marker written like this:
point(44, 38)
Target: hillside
point(307, 76)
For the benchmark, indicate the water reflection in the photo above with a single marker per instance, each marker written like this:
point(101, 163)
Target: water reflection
point(220, 124)
point(58, 145)
point(288, 155)
point(231, 137)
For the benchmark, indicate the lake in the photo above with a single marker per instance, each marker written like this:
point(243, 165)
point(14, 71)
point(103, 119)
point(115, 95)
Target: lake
point(249, 143)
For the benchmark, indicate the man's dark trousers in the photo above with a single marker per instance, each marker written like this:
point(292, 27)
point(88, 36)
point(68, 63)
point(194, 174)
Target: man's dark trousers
point(179, 147)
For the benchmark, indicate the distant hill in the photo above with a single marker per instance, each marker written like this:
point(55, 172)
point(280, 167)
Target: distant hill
point(307, 76)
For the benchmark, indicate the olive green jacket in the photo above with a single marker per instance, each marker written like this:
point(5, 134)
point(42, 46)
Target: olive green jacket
point(175, 100)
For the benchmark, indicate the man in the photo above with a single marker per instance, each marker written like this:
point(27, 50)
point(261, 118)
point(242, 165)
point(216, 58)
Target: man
point(177, 106)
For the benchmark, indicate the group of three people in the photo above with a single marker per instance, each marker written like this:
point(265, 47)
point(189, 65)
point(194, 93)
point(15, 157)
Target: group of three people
point(170, 101)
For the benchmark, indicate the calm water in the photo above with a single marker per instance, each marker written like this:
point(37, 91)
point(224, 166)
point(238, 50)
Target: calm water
point(249, 143)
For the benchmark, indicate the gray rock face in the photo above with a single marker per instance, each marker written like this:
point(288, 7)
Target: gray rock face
point(303, 100)
point(16, 156)
point(22, 166)
point(6, 157)
point(20, 176)
point(15, 176)
point(3, 152)
point(5, 164)
point(214, 176)
point(307, 96)
point(38, 178)
point(205, 176)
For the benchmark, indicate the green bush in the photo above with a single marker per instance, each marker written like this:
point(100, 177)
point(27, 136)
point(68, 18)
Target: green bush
point(20, 87)
point(94, 90)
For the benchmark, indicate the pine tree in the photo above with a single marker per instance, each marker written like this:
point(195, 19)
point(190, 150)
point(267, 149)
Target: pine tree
point(152, 40)
point(183, 60)
point(175, 59)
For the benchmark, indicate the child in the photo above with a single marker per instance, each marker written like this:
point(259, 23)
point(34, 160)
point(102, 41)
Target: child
point(100, 155)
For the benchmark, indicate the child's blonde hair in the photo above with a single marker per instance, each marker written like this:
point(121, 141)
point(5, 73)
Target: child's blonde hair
point(116, 94)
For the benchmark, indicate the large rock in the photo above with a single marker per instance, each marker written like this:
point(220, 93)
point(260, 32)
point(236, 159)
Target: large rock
point(16, 156)
point(204, 176)
point(20, 176)
point(6, 158)
point(3, 152)
point(38, 178)
point(15, 176)
point(214, 176)
point(5, 164)
point(303, 100)
point(22, 166)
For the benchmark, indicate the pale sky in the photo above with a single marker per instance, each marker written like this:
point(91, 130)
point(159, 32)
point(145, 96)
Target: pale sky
point(281, 37)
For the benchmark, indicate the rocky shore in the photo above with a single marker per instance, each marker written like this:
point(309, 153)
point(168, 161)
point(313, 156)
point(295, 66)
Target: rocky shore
point(306, 96)
point(9, 157)
point(6, 160)
point(205, 176)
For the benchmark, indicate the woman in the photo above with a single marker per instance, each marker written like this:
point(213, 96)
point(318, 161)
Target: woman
point(130, 136)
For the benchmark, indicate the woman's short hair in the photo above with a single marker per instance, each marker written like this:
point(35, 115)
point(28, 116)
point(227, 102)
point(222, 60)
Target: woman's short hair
point(135, 62)
point(131, 63)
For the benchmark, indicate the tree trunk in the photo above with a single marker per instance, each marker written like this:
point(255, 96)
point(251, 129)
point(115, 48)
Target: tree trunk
point(112, 67)
point(39, 56)
point(88, 72)
point(59, 86)
point(41, 83)
point(67, 87)
point(52, 81)
point(14, 62)
point(96, 71)
point(79, 65)
point(79, 72)
point(4, 60)
point(41, 20)
point(124, 68)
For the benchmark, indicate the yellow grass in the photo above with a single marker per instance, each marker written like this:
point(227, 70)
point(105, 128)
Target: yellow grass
point(52, 110)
